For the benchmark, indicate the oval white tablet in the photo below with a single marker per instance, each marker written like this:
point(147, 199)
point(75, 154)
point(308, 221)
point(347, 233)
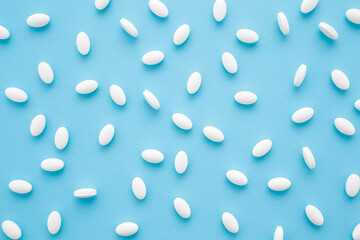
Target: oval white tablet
point(194, 83)
point(85, 193)
point(357, 104)
point(213, 134)
point(344, 126)
point(86, 87)
point(129, 27)
point(52, 164)
point(182, 121)
point(236, 177)
point(247, 36)
point(279, 233)
point(151, 99)
point(16, 94)
point(308, 5)
point(353, 15)
point(181, 34)
point(139, 188)
point(279, 184)
point(182, 208)
point(61, 138)
point(302, 115)
point(219, 10)
point(340, 79)
point(356, 232)
point(127, 229)
point(352, 185)
point(328, 31)
point(38, 20)
point(11, 229)
point(46, 73)
point(153, 58)
point(308, 157)
point(152, 156)
point(54, 222)
point(314, 215)
point(181, 162)
point(106, 134)
point(37, 125)
point(283, 23)
point(245, 97)
point(158, 8)
point(262, 148)
point(230, 222)
point(300, 75)
point(83, 43)
point(101, 4)
point(117, 95)
point(4, 33)
point(20, 186)
point(229, 62)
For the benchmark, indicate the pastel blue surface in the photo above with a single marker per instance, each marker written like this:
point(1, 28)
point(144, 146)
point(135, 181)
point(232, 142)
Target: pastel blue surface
point(266, 68)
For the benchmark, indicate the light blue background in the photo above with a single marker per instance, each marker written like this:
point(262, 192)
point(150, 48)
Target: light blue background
point(267, 69)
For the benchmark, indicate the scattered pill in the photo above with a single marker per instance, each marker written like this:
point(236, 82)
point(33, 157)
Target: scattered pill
point(37, 125)
point(61, 138)
point(314, 215)
point(352, 185)
point(46, 73)
point(300, 75)
point(344, 126)
point(38, 20)
point(117, 95)
point(308, 157)
point(194, 83)
point(86, 87)
point(230, 222)
point(127, 229)
point(328, 31)
point(182, 121)
point(83, 43)
point(181, 162)
point(353, 15)
point(261, 148)
point(85, 193)
point(236, 177)
point(101, 4)
point(245, 97)
point(52, 164)
point(4, 33)
point(279, 184)
point(152, 156)
point(139, 188)
point(219, 10)
point(279, 233)
point(357, 104)
point(213, 134)
point(283, 23)
point(229, 61)
point(16, 94)
point(151, 99)
point(158, 8)
point(54, 222)
point(247, 36)
point(308, 5)
point(182, 208)
point(20, 186)
point(11, 229)
point(302, 115)
point(106, 134)
point(129, 27)
point(356, 232)
point(153, 58)
point(181, 34)
point(340, 80)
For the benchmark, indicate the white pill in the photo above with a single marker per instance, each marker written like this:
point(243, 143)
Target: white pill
point(236, 177)
point(139, 188)
point(328, 31)
point(101, 4)
point(245, 97)
point(85, 193)
point(38, 20)
point(279, 184)
point(283, 23)
point(314, 215)
point(308, 157)
point(229, 62)
point(279, 233)
point(106, 134)
point(182, 121)
point(302, 115)
point(37, 125)
point(300, 75)
point(153, 57)
point(213, 134)
point(344, 126)
point(83, 43)
point(16, 94)
point(357, 104)
point(194, 83)
point(182, 208)
point(340, 79)
point(356, 232)
point(86, 87)
point(262, 148)
point(352, 185)
point(117, 95)
point(11, 229)
point(152, 156)
point(353, 15)
point(181, 162)
point(129, 27)
point(230, 222)
point(181, 34)
point(54, 222)
point(127, 229)
point(247, 36)
point(52, 164)
point(4, 33)
point(158, 8)
point(20, 186)
point(308, 5)
point(219, 10)
point(46, 73)
point(151, 99)
point(61, 138)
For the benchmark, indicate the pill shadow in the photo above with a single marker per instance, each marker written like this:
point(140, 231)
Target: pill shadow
point(5, 41)
point(340, 91)
point(229, 234)
point(53, 174)
point(208, 141)
point(279, 193)
point(247, 107)
point(87, 95)
point(40, 29)
point(127, 37)
point(22, 196)
point(353, 25)
point(343, 136)
point(135, 236)
point(248, 45)
point(329, 41)
point(302, 125)
point(85, 201)
point(313, 226)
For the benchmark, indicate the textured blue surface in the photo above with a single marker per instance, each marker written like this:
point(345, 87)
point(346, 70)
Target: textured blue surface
point(267, 69)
